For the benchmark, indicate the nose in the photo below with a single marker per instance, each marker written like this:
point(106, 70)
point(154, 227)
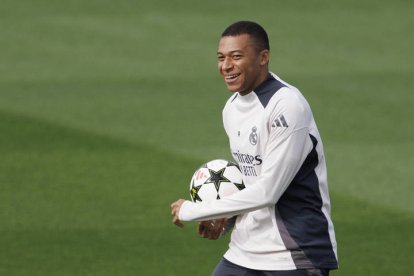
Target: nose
point(227, 64)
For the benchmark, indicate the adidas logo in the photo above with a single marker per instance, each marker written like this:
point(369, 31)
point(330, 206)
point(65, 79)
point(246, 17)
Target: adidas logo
point(280, 122)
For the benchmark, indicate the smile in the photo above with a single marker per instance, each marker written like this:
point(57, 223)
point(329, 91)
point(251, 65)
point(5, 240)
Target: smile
point(232, 77)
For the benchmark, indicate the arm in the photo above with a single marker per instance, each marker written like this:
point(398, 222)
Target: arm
point(284, 157)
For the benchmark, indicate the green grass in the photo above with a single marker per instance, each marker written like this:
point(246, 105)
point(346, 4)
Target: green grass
point(107, 108)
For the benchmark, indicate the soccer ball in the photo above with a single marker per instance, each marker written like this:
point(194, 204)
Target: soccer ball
point(214, 180)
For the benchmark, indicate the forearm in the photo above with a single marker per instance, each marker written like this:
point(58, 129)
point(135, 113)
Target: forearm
point(283, 160)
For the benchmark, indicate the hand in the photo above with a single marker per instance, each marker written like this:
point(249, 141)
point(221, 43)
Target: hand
point(175, 210)
point(211, 229)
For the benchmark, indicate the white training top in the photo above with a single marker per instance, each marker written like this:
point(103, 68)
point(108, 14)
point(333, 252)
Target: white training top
point(283, 213)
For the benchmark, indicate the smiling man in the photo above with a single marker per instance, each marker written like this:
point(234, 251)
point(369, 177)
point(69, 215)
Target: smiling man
point(242, 62)
point(283, 224)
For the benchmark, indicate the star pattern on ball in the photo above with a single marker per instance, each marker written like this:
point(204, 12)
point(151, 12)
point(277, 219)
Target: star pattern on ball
point(239, 186)
point(231, 164)
point(194, 193)
point(217, 178)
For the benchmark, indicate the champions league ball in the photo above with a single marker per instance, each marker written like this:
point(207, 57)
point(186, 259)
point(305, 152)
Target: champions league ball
point(214, 180)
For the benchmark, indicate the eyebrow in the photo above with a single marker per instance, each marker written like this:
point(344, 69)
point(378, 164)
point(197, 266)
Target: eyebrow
point(231, 52)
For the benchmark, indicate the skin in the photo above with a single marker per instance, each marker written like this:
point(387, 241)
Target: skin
point(209, 229)
point(238, 56)
point(243, 67)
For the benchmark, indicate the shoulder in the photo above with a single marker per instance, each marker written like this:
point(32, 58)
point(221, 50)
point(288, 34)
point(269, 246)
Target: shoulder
point(288, 96)
point(228, 107)
point(289, 103)
point(230, 102)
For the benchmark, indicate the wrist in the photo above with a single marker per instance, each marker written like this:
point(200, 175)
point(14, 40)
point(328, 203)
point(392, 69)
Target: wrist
point(182, 213)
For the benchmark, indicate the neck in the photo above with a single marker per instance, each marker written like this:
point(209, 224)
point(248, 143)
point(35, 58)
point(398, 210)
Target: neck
point(260, 79)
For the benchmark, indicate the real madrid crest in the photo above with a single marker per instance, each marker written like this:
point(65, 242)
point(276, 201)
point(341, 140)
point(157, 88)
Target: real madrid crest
point(253, 136)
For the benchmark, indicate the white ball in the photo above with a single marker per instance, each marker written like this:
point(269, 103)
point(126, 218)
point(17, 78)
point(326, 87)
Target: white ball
point(214, 180)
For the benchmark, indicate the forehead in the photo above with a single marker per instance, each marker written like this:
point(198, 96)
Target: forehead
point(229, 44)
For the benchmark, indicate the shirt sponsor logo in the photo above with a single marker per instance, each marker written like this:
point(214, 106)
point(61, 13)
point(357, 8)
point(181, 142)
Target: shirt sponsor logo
point(247, 163)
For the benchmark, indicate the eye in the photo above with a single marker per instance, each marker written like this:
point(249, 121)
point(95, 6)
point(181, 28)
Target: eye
point(237, 57)
point(220, 58)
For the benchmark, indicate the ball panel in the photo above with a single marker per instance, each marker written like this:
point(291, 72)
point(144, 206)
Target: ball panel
point(217, 164)
point(233, 174)
point(226, 189)
point(200, 176)
point(207, 192)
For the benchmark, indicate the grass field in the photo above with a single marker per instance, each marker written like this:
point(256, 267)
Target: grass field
point(107, 108)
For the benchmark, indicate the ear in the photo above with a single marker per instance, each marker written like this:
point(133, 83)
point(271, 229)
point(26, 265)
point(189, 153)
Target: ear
point(264, 57)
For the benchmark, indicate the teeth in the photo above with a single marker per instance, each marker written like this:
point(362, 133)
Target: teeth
point(232, 76)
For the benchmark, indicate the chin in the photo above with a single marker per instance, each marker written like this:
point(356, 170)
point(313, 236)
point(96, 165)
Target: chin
point(233, 89)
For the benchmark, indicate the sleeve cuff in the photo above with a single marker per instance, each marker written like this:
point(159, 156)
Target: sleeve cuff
point(184, 214)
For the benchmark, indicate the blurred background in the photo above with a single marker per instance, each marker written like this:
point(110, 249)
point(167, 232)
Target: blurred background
point(108, 107)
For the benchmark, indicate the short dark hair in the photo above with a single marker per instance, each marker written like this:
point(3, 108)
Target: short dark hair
point(251, 28)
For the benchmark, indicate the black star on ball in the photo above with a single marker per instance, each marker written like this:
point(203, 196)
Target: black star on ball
point(194, 193)
point(239, 186)
point(216, 178)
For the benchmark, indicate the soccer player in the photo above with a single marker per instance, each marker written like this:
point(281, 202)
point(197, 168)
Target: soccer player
point(283, 224)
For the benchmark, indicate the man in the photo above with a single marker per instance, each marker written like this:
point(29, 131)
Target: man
point(283, 224)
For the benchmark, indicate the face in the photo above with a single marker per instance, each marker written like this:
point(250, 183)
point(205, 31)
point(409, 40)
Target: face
point(241, 65)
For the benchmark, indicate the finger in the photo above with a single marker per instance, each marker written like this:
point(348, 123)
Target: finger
point(217, 228)
point(177, 222)
point(173, 208)
point(175, 204)
point(201, 228)
point(223, 225)
point(204, 231)
point(213, 230)
point(220, 225)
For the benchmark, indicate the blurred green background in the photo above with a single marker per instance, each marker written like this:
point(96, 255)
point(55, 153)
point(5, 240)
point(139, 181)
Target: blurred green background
point(107, 108)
